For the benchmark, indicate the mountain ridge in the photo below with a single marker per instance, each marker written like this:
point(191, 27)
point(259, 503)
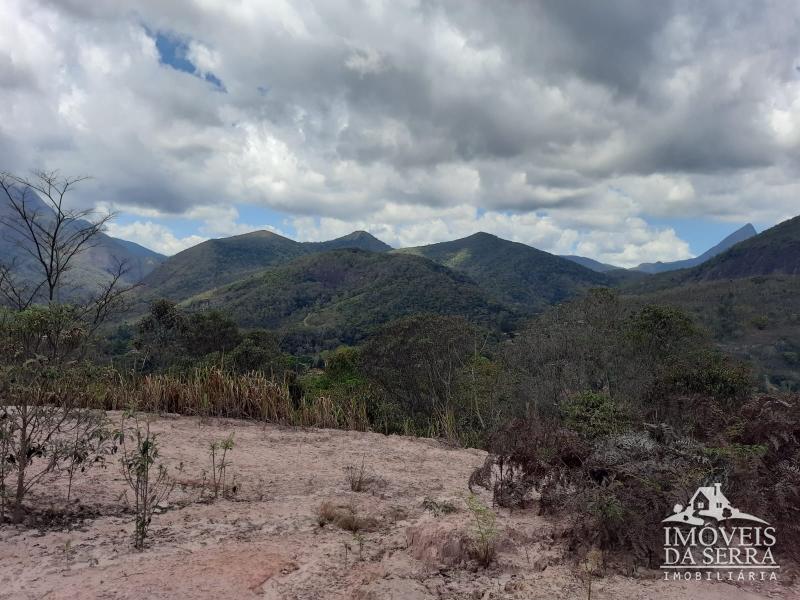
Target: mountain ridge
point(743, 233)
point(590, 263)
point(220, 261)
point(518, 275)
point(774, 251)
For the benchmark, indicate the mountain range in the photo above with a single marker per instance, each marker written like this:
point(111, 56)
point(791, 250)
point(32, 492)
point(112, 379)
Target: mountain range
point(590, 263)
point(743, 233)
point(323, 293)
point(515, 274)
point(319, 294)
point(773, 251)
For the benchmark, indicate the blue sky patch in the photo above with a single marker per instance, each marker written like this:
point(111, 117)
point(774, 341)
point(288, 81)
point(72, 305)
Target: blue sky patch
point(702, 234)
point(173, 51)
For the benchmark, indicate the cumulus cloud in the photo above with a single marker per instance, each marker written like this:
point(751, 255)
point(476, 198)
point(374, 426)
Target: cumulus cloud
point(153, 235)
point(569, 126)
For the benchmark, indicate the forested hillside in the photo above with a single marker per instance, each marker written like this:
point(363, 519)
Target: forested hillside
point(337, 297)
point(517, 274)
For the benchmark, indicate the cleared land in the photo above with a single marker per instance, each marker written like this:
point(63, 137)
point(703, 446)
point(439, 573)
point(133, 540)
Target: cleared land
point(267, 541)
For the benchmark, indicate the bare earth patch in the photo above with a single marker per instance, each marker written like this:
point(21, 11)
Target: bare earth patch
point(270, 540)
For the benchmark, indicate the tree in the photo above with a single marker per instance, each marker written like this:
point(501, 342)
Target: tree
point(422, 362)
point(210, 331)
point(259, 350)
point(145, 475)
point(651, 359)
point(571, 348)
point(42, 341)
point(50, 233)
point(159, 335)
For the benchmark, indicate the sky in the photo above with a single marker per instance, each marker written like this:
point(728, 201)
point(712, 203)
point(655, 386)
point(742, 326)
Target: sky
point(622, 130)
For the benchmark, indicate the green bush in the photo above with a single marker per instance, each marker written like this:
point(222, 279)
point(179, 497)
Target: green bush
point(594, 415)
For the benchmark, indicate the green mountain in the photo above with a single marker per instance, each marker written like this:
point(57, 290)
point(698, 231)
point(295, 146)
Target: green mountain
point(516, 274)
point(748, 297)
point(217, 262)
point(326, 299)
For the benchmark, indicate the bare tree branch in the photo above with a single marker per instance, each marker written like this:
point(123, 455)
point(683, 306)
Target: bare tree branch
point(52, 237)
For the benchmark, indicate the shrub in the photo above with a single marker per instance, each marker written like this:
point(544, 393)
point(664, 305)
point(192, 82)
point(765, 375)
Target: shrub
point(614, 487)
point(438, 508)
point(766, 438)
point(146, 477)
point(45, 430)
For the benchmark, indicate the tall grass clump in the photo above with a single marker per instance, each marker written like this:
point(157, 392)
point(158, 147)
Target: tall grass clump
point(212, 392)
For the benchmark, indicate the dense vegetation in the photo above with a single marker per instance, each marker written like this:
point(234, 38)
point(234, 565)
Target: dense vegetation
point(756, 319)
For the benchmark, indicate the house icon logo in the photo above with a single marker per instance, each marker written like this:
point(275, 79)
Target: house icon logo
point(707, 503)
point(710, 539)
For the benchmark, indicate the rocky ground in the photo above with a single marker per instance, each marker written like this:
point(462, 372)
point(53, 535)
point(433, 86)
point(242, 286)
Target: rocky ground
point(267, 540)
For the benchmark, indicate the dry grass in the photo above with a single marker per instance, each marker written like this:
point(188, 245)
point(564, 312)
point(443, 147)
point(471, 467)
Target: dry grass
point(358, 478)
point(211, 392)
point(344, 517)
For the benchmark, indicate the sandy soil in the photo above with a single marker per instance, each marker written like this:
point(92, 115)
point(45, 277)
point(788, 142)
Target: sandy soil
point(267, 541)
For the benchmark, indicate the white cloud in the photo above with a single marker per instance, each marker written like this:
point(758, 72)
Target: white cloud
point(154, 236)
point(421, 121)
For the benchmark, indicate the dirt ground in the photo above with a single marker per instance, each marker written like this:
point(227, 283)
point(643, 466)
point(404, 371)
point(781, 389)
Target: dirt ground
point(267, 542)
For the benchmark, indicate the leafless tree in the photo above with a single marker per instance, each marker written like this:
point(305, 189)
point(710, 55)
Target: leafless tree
point(53, 235)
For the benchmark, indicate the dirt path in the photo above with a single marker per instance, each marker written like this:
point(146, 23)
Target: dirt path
point(268, 543)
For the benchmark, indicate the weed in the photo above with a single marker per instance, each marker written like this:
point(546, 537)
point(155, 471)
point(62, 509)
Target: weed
point(484, 531)
point(68, 551)
point(591, 567)
point(218, 452)
point(358, 478)
point(358, 538)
